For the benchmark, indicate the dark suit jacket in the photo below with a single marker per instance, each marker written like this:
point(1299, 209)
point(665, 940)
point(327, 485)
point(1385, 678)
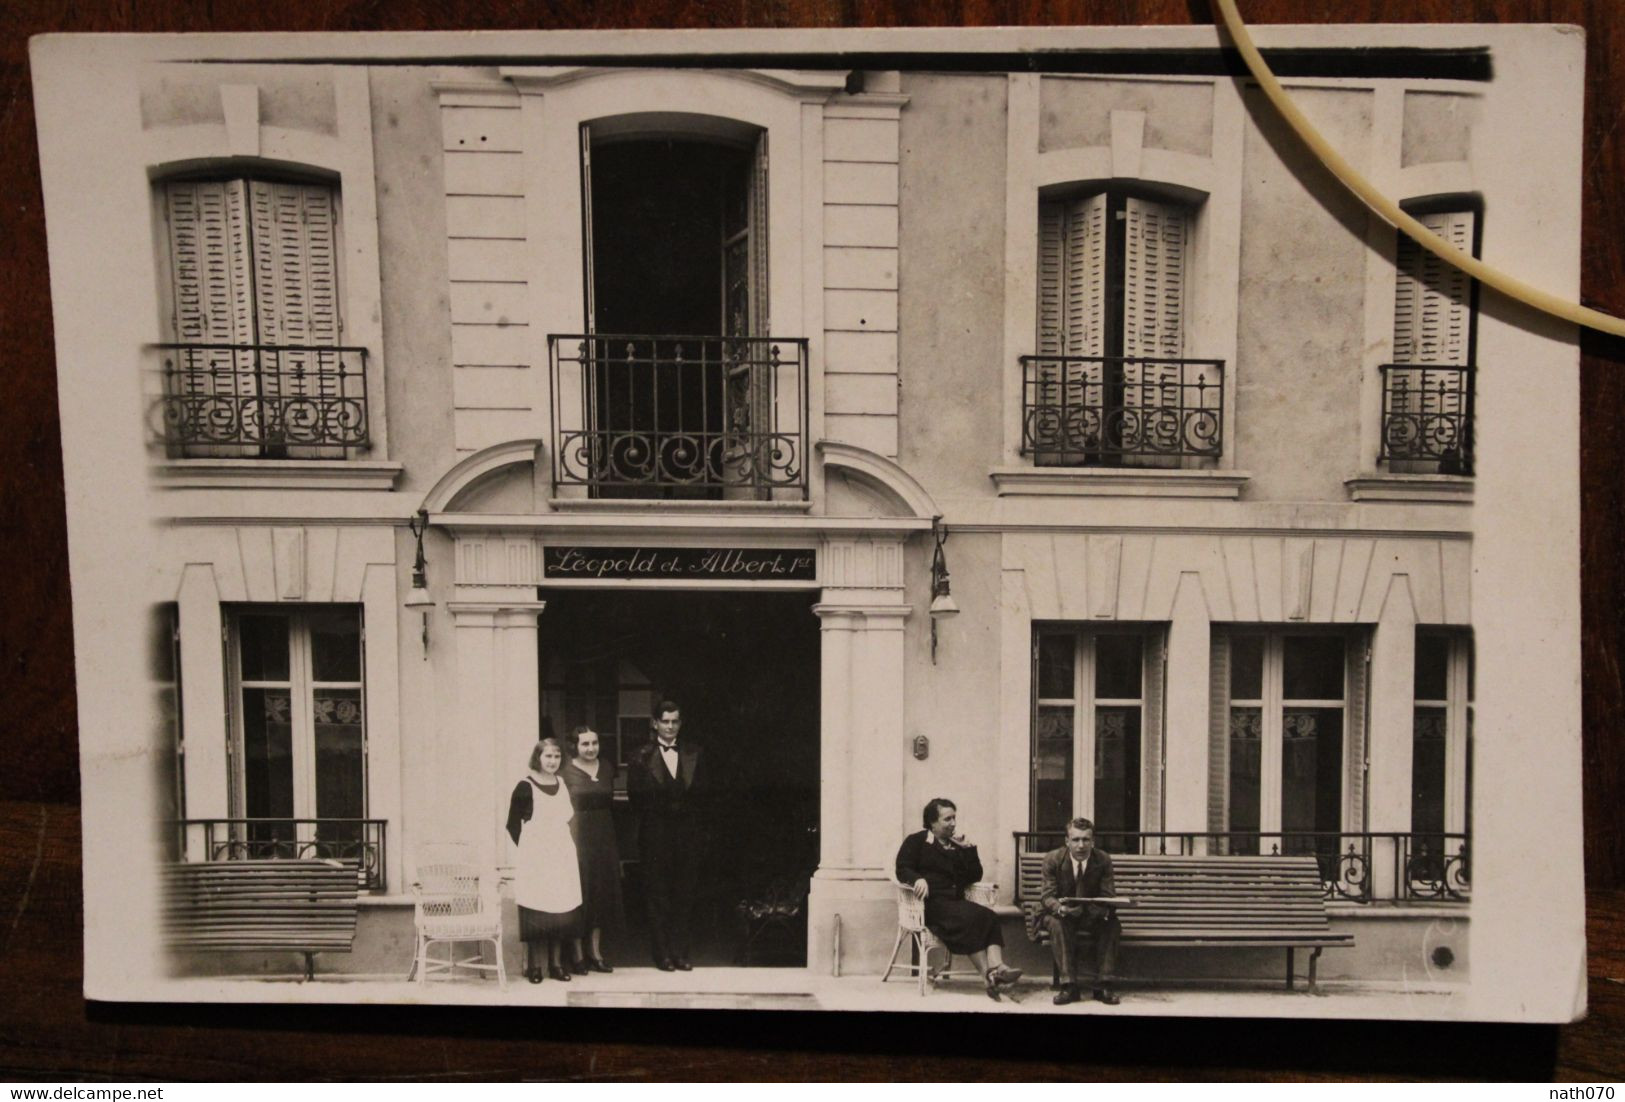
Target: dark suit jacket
point(655, 793)
point(1059, 882)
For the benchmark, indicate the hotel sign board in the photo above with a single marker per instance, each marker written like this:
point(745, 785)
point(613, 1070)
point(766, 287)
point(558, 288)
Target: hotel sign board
point(723, 564)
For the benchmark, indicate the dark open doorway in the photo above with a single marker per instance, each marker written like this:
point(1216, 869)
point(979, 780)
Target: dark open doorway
point(744, 667)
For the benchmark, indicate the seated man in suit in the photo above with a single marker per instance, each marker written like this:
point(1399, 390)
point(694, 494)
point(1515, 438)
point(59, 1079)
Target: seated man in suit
point(1080, 871)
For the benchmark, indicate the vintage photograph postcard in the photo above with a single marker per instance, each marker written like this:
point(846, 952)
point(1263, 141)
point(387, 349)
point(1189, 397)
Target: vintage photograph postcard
point(856, 520)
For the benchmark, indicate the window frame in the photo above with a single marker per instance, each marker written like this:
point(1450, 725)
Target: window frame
point(1272, 704)
point(1458, 707)
point(302, 687)
point(1084, 704)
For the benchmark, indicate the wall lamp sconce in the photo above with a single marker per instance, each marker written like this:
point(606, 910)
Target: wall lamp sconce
point(419, 598)
point(942, 598)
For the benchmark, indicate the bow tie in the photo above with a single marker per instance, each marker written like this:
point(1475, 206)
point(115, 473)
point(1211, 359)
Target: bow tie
point(664, 746)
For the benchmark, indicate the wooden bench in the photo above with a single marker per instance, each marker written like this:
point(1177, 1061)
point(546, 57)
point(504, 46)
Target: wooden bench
point(300, 906)
point(1212, 902)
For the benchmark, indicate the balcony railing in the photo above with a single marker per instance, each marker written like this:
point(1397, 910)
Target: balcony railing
point(263, 400)
point(1427, 416)
point(359, 840)
point(669, 416)
point(1108, 410)
point(1419, 867)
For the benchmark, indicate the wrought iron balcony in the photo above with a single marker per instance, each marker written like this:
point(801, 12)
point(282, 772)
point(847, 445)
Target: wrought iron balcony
point(670, 416)
point(1116, 410)
point(1421, 867)
point(1427, 416)
point(263, 400)
point(359, 840)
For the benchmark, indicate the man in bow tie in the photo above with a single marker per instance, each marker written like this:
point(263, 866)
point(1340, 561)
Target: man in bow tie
point(1080, 871)
point(666, 783)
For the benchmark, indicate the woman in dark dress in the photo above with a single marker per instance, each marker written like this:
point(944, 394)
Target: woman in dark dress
point(938, 865)
point(591, 781)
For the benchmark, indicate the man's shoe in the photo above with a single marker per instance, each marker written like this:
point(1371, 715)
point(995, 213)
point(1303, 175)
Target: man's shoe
point(599, 964)
point(579, 967)
point(1066, 995)
point(1107, 996)
point(665, 965)
point(683, 965)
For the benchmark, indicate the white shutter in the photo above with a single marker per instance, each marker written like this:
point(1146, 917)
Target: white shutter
point(1051, 277)
point(1084, 266)
point(295, 280)
point(1153, 299)
point(211, 303)
point(1432, 299)
point(208, 263)
point(1432, 322)
point(1071, 316)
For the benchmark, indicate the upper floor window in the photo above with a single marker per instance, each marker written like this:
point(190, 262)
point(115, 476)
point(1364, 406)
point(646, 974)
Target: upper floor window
point(254, 364)
point(683, 390)
point(1111, 383)
point(1428, 390)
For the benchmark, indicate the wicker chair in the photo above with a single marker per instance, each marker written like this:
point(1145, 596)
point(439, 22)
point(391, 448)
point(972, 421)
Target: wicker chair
point(455, 901)
point(911, 928)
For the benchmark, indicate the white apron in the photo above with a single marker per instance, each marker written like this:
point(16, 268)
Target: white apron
point(546, 876)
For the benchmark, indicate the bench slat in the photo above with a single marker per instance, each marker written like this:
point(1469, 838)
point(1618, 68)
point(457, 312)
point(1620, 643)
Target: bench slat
point(303, 906)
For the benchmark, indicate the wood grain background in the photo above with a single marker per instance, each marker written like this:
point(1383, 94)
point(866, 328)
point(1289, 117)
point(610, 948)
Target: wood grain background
point(47, 1031)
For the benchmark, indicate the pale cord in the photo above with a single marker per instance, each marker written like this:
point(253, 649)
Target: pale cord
point(1390, 211)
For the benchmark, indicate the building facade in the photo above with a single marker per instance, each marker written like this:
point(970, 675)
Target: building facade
point(485, 400)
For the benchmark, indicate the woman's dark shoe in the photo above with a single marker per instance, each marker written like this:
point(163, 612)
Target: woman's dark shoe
point(1004, 975)
point(599, 964)
point(580, 967)
point(534, 975)
point(993, 984)
point(559, 972)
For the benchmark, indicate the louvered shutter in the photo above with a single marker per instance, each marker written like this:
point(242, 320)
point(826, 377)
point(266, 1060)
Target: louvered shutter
point(210, 282)
point(1051, 278)
point(1084, 266)
point(1432, 300)
point(1071, 316)
point(296, 282)
point(1153, 312)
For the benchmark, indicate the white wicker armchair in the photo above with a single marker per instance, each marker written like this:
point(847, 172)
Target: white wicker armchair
point(911, 928)
point(455, 901)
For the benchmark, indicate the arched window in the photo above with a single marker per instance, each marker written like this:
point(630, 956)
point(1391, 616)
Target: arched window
point(254, 364)
point(1428, 389)
point(1112, 383)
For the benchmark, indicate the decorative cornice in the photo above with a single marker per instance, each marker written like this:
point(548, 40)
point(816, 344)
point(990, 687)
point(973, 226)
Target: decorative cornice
point(887, 475)
point(471, 469)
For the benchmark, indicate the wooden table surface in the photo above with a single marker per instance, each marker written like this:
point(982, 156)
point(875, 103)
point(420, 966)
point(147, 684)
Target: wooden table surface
point(48, 1031)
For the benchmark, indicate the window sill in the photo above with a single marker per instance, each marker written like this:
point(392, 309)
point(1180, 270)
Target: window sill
point(662, 505)
point(276, 474)
point(1438, 489)
point(1392, 908)
point(1117, 482)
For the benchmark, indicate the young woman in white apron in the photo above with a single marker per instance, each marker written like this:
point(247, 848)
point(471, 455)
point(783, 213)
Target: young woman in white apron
point(547, 877)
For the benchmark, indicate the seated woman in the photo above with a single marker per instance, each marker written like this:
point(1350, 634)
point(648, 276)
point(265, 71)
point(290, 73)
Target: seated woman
point(938, 865)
